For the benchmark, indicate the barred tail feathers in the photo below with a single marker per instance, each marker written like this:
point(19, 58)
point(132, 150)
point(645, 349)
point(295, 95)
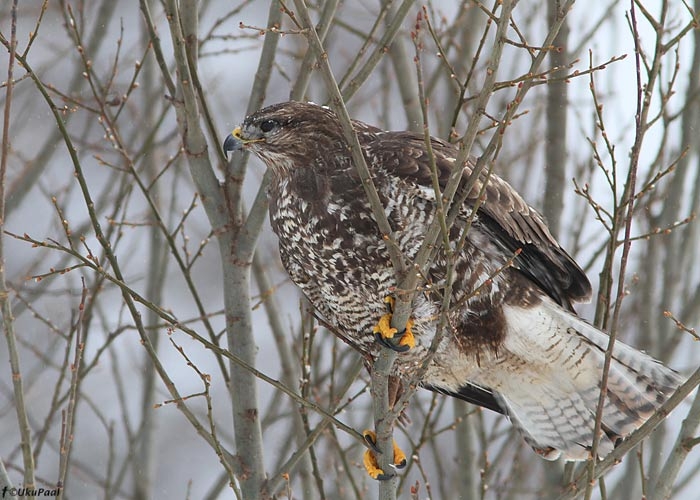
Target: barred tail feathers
point(549, 382)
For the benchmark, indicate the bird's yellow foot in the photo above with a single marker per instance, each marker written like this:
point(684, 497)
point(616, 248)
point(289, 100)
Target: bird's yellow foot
point(370, 458)
point(387, 336)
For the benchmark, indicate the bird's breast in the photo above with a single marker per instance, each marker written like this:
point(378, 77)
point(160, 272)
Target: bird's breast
point(333, 251)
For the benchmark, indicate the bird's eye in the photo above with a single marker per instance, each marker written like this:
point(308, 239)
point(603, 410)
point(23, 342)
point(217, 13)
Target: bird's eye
point(268, 125)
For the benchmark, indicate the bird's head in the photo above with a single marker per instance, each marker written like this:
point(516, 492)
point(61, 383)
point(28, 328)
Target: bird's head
point(282, 132)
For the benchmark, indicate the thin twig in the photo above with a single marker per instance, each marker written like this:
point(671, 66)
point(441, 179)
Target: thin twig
point(5, 302)
point(67, 431)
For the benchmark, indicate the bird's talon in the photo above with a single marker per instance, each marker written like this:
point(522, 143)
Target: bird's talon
point(371, 440)
point(389, 301)
point(400, 460)
point(370, 458)
point(387, 336)
point(389, 344)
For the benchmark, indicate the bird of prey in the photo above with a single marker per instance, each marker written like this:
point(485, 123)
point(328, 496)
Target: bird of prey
point(513, 342)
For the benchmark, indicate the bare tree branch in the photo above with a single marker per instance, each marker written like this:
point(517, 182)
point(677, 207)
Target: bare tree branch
point(5, 302)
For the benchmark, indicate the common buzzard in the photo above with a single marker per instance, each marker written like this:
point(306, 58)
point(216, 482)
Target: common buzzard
point(516, 346)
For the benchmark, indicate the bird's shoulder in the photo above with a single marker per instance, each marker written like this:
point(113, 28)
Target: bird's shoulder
point(405, 154)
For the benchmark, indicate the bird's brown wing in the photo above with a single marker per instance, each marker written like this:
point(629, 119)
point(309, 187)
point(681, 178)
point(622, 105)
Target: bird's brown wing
point(503, 213)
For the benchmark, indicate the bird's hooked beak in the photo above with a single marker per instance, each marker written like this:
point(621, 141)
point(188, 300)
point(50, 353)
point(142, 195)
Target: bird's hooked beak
point(235, 141)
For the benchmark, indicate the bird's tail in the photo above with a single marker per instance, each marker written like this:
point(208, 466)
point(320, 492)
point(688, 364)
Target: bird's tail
point(552, 366)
